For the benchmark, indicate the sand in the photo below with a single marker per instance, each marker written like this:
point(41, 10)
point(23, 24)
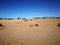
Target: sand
point(20, 32)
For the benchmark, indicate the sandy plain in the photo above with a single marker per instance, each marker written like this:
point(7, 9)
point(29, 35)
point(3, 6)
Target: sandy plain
point(20, 32)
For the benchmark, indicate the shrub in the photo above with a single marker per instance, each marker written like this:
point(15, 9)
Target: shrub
point(1, 25)
point(31, 19)
point(25, 20)
point(1, 18)
point(36, 25)
point(18, 18)
point(31, 25)
point(58, 25)
point(21, 21)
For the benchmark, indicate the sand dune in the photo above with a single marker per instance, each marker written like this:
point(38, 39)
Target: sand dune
point(19, 32)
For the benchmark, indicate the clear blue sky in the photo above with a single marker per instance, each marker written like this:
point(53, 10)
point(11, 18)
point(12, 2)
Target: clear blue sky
point(29, 8)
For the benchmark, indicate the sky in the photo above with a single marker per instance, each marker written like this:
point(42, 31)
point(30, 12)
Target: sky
point(29, 8)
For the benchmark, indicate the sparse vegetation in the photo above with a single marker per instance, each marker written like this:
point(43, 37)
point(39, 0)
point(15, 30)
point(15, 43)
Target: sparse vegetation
point(58, 25)
point(43, 18)
point(33, 25)
point(8, 18)
point(18, 18)
point(1, 18)
point(17, 31)
point(25, 20)
point(31, 19)
point(54, 17)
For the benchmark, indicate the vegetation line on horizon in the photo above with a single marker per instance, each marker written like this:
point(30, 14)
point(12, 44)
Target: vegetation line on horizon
point(28, 18)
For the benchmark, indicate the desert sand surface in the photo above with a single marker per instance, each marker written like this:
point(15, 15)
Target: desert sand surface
point(31, 32)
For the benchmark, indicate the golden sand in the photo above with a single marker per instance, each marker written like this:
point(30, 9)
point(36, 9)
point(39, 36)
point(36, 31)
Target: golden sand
point(19, 32)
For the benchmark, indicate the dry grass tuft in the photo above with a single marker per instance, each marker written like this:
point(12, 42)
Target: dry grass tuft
point(25, 20)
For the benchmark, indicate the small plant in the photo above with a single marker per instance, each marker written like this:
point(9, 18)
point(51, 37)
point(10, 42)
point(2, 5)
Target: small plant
point(36, 25)
point(58, 25)
point(25, 20)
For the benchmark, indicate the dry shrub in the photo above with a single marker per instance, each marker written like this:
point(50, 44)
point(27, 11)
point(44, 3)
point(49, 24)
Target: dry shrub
point(31, 19)
point(18, 18)
point(1, 25)
point(21, 21)
point(1, 18)
point(36, 25)
point(31, 25)
point(25, 20)
point(58, 25)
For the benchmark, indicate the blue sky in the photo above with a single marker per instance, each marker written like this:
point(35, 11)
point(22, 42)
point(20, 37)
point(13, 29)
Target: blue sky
point(29, 8)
